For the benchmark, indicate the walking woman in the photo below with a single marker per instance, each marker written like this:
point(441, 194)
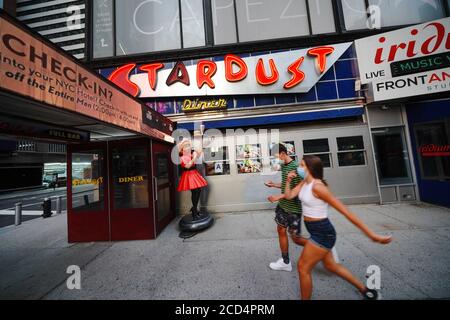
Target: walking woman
point(316, 198)
point(191, 179)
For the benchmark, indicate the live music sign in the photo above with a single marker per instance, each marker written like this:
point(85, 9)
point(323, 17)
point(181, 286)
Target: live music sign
point(295, 71)
point(407, 51)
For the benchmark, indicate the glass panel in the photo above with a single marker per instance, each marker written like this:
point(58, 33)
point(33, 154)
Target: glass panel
point(147, 25)
point(88, 184)
point(401, 12)
point(392, 157)
point(215, 160)
point(162, 175)
point(315, 146)
point(355, 14)
point(193, 23)
point(428, 135)
point(249, 166)
point(350, 143)
point(348, 159)
point(322, 16)
point(218, 168)
point(290, 146)
point(249, 158)
point(162, 168)
point(326, 159)
point(248, 151)
point(130, 177)
point(224, 21)
point(103, 43)
point(268, 19)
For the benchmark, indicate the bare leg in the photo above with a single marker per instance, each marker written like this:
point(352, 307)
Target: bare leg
point(343, 272)
point(299, 240)
point(311, 255)
point(283, 239)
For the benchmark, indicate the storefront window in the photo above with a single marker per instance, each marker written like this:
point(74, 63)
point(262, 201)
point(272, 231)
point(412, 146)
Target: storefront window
point(147, 26)
point(130, 178)
point(319, 148)
point(290, 146)
point(88, 182)
point(351, 151)
point(434, 143)
point(249, 158)
point(268, 19)
point(217, 161)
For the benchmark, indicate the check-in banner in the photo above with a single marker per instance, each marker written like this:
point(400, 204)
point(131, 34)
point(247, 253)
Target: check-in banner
point(31, 68)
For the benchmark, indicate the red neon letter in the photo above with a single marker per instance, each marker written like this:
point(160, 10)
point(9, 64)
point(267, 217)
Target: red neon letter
point(152, 70)
point(298, 75)
point(321, 54)
point(205, 71)
point(261, 73)
point(121, 77)
point(179, 74)
point(231, 76)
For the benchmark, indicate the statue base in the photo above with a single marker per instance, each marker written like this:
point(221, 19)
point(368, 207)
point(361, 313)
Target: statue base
point(190, 227)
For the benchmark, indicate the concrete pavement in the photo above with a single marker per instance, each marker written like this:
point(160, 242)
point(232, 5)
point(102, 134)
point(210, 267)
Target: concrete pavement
point(229, 261)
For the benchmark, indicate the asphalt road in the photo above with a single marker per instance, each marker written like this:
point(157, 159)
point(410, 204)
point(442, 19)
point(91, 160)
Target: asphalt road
point(31, 204)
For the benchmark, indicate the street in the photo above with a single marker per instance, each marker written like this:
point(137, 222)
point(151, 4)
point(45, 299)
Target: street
point(31, 203)
point(228, 261)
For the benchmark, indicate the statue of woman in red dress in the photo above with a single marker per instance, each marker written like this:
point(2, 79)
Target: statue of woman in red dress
point(191, 179)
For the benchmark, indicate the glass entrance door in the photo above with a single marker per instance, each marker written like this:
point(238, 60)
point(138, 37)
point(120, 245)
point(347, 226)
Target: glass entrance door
point(131, 206)
point(163, 178)
point(87, 196)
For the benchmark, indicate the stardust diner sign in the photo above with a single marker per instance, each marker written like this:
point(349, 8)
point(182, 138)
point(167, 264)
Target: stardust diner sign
point(295, 71)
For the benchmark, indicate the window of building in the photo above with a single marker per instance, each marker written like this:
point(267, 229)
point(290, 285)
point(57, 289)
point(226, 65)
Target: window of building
point(224, 21)
point(147, 26)
point(249, 158)
point(387, 13)
point(351, 151)
point(103, 28)
point(322, 16)
point(217, 161)
point(290, 146)
point(267, 19)
point(319, 148)
point(433, 141)
point(88, 183)
point(193, 23)
point(130, 178)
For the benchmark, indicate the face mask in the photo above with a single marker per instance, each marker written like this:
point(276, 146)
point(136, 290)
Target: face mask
point(301, 173)
point(279, 161)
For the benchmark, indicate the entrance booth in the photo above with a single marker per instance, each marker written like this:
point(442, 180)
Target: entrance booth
point(119, 190)
point(120, 178)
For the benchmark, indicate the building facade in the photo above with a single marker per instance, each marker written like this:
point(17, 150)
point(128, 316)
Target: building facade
point(370, 150)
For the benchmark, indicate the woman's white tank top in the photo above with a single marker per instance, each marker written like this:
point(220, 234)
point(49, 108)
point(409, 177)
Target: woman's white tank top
point(312, 206)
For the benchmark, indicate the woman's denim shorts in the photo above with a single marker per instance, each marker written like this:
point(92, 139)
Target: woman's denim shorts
point(322, 233)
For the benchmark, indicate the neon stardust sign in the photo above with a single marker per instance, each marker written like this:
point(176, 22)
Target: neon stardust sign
point(292, 71)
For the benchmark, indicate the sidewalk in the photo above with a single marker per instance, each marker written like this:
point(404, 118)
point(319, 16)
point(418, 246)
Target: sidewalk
point(229, 261)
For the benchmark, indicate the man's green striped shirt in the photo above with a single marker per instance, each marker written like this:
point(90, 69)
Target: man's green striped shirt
point(294, 205)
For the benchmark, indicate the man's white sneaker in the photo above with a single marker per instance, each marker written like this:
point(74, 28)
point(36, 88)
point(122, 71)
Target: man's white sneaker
point(281, 266)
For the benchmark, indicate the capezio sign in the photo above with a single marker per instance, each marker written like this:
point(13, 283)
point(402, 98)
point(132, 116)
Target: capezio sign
point(295, 71)
point(407, 62)
point(31, 68)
